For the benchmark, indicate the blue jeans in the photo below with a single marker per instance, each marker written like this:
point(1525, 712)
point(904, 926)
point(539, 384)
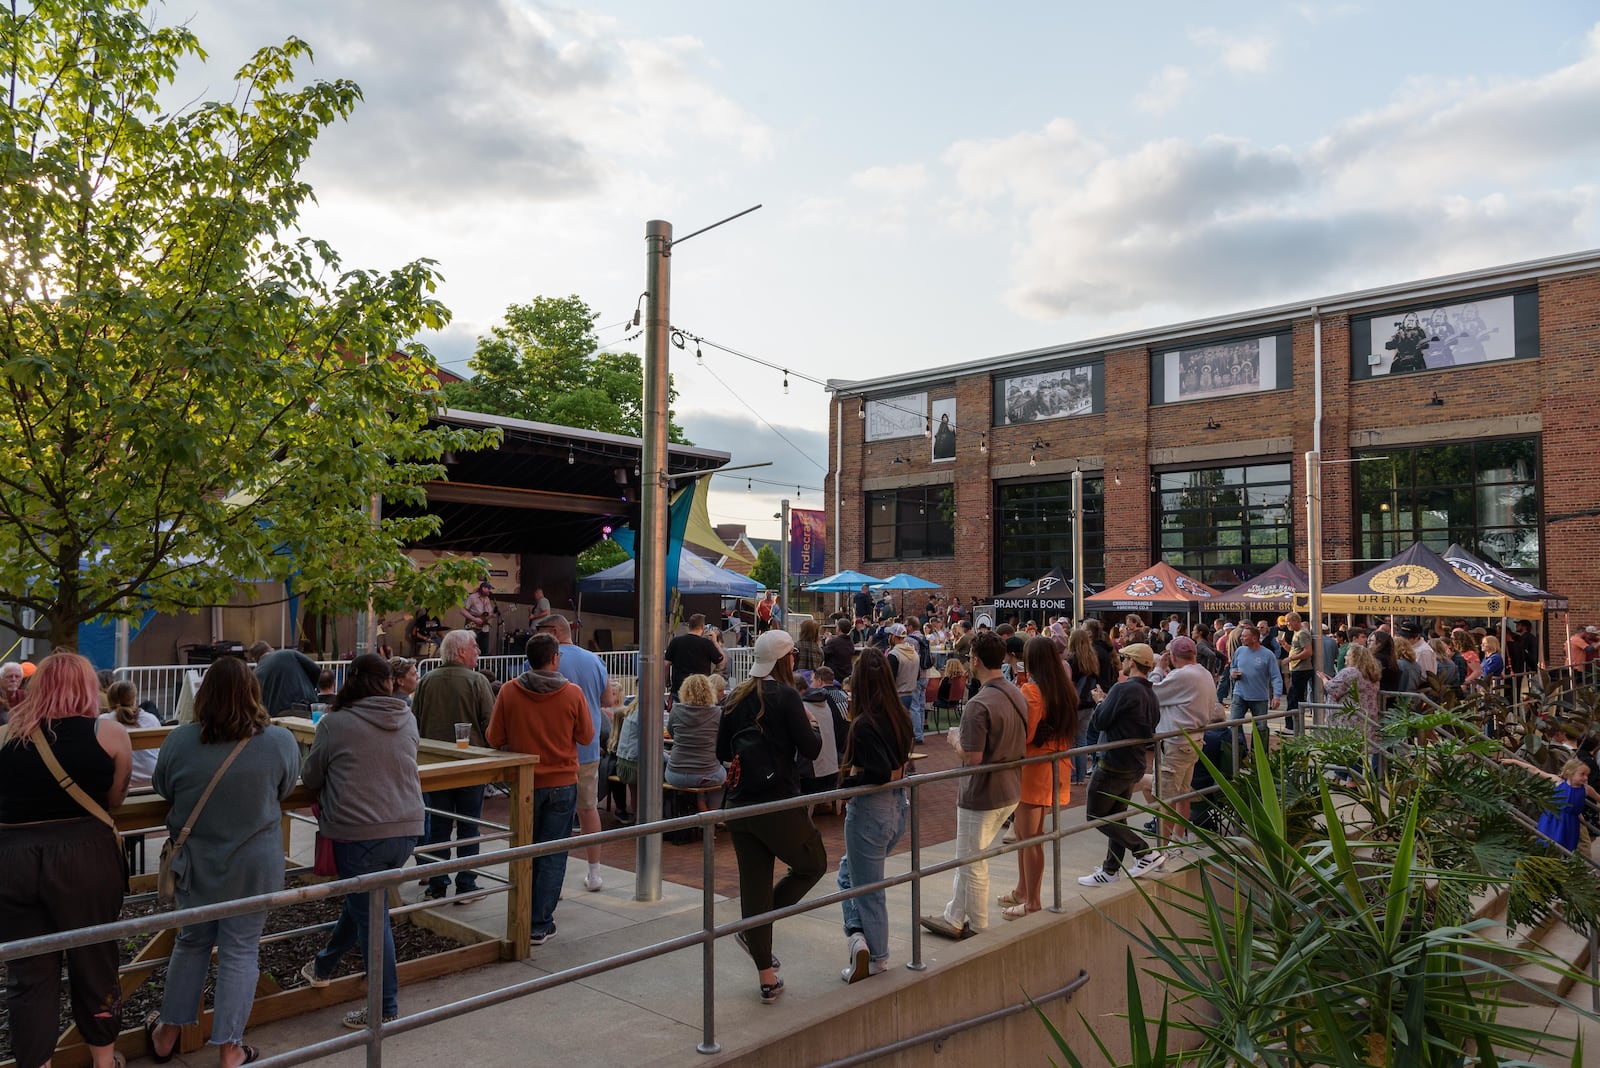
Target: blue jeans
point(1080, 761)
point(238, 942)
point(872, 825)
point(467, 803)
point(910, 701)
point(363, 858)
point(553, 807)
point(919, 700)
point(1241, 708)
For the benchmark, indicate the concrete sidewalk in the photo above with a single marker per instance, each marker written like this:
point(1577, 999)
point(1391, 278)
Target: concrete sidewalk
point(651, 1012)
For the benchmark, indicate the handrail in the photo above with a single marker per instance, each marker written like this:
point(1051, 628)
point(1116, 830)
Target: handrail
point(710, 932)
point(939, 1034)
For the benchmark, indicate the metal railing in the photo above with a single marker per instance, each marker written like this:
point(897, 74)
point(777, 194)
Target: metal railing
point(706, 937)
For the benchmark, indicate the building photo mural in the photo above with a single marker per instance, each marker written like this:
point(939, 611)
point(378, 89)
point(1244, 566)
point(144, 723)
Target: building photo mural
point(1221, 369)
point(897, 417)
point(1052, 394)
point(1484, 330)
point(944, 429)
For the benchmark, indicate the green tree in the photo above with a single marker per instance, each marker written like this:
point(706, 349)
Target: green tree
point(599, 556)
point(192, 393)
point(543, 364)
point(768, 569)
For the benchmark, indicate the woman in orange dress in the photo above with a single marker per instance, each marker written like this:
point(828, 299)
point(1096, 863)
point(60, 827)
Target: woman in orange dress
point(1052, 728)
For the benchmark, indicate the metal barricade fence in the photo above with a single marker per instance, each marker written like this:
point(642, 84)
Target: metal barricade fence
point(706, 937)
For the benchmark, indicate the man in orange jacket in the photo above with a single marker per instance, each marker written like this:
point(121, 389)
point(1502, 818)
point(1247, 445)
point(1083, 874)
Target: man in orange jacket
point(540, 712)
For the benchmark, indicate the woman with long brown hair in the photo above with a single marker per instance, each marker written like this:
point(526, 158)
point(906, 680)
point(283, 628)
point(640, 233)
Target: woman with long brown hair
point(808, 649)
point(764, 729)
point(233, 850)
point(875, 751)
point(1052, 728)
point(63, 863)
point(1084, 661)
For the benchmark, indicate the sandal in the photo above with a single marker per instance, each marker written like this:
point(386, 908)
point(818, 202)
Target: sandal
point(1014, 912)
point(250, 1053)
point(770, 991)
point(1009, 898)
point(151, 1022)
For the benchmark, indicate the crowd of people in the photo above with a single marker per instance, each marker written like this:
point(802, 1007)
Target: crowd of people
point(842, 702)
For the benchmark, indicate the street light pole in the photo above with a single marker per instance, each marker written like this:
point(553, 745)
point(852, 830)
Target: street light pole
point(1314, 566)
point(1077, 548)
point(652, 569)
point(783, 564)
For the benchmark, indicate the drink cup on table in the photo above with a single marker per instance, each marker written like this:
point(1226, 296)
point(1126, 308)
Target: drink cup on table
point(463, 735)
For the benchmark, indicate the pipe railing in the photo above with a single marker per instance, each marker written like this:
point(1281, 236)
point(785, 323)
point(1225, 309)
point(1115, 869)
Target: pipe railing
point(373, 1036)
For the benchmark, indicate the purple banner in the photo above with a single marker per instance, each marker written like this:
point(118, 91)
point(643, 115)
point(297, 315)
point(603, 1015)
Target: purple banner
point(808, 543)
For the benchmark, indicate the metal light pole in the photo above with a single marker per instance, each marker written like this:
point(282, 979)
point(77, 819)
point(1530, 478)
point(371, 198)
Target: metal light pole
point(783, 541)
point(1314, 565)
point(652, 569)
point(1077, 548)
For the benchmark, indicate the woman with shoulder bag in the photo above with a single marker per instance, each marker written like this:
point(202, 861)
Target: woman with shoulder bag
point(62, 857)
point(762, 733)
point(225, 774)
point(877, 750)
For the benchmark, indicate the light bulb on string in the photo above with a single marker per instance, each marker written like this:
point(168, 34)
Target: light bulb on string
point(786, 381)
point(571, 458)
point(749, 486)
point(698, 359)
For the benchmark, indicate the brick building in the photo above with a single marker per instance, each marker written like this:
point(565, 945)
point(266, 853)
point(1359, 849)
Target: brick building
point(1455, 409)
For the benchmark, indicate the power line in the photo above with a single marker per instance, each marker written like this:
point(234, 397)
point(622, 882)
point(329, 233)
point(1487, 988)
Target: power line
point(769, 426)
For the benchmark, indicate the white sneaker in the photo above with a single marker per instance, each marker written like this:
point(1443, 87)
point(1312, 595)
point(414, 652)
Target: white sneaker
point(860, 959)
point(593, 883)
point(1148, 863)
point(1099, 877)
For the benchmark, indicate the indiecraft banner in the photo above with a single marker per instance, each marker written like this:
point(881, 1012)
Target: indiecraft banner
point(808, 543)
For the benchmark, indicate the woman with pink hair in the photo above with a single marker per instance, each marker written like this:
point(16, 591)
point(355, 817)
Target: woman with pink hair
point(63, 864)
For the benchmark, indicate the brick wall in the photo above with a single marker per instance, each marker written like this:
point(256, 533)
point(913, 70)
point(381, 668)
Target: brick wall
point(1556, 393)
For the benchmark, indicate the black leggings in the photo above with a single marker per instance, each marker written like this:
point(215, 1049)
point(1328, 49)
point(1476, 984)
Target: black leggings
point(60, 875)
point(758, 841)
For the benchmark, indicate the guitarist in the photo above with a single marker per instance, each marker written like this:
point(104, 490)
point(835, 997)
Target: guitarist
point(479, 610)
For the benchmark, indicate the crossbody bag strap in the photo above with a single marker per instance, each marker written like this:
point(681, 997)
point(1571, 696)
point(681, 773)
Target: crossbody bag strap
point(199, 806)
point(64, 780)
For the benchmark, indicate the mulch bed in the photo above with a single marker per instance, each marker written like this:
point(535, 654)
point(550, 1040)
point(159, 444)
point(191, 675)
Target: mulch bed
point(281, 960)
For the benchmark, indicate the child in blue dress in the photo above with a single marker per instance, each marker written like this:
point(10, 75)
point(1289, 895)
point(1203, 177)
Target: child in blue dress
point(1572, 790)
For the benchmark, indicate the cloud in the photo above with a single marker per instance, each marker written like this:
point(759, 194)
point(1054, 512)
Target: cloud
point(750, 441)
point(1166, 88)
point(1446, 176)
point(497, 97)
point(891, 181)
point(1242, 54)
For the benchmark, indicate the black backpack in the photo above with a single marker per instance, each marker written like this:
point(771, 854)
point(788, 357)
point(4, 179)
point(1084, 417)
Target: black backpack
point(924, 652)
point(754, 769)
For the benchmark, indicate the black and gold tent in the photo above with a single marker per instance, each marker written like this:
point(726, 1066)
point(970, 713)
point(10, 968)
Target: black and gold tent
point(1418, 582)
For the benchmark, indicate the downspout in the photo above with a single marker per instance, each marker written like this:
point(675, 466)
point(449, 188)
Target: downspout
point(1316, 349)
point(838, 468)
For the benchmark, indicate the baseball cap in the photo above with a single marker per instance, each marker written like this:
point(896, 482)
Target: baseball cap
point(771, 647)
point(1139, 653)
point(485, 586)
point(897, 629)
point(1230, 625)
point(1410, 629)
point(1183, 646)
point(1591, 630)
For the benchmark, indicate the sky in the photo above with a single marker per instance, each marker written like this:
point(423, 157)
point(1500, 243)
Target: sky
point(939, 182)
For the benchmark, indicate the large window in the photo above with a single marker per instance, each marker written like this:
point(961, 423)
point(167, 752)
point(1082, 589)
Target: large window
point(911, 523)
point(1222, 525)
point(1034, 531)
point(1481, 494)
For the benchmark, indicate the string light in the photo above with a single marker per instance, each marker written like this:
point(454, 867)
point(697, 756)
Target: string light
point(861, 408)
point(571, 458)
point(699, 360)
point(927, 427)
point(786, 382)
point(750, 486)
point(983, 442)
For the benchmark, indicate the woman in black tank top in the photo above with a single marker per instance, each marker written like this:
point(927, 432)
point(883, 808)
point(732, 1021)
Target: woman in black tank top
point(63, 865)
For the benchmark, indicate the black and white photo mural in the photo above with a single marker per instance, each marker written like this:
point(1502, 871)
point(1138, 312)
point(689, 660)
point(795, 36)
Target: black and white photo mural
point(897, 417)
point(1441, 336)
point(944, 429)
point(1054, 394)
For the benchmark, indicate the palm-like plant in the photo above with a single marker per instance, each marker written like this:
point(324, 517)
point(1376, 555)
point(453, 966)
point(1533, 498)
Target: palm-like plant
point(1319, 949)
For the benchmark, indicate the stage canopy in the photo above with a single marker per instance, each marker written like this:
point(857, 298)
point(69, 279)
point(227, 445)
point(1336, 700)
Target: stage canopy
point(1158, 588)
point(1476, 568)
point(695, 576)
point(1418, 582)
point(1271, 591)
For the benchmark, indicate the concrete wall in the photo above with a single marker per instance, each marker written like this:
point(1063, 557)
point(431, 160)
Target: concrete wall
point(1003, 968)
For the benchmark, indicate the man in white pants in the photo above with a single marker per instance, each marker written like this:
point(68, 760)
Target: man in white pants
point(993, 730)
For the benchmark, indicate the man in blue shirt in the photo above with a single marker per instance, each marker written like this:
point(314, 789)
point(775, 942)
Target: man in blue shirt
point(1257, 681)
point(588, 673)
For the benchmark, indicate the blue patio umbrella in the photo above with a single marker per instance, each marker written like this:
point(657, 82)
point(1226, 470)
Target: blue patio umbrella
point(843, 582)
point(903, 582)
